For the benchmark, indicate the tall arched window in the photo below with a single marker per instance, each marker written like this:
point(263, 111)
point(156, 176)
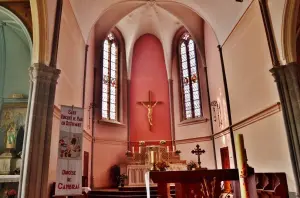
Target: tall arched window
point(189, 79)
point(110, 78)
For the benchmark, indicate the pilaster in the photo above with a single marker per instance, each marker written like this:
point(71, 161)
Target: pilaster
point(36, 148)
point(287, 81)
point(171, 96)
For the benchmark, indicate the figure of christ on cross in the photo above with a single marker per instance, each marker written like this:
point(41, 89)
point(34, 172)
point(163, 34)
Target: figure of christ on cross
point(149, 105)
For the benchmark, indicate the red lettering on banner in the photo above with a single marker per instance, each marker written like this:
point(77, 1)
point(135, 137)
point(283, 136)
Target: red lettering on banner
point(68, 186)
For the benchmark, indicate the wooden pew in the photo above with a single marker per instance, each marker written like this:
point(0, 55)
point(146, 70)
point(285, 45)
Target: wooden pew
point(271, 185)
point(200, 183)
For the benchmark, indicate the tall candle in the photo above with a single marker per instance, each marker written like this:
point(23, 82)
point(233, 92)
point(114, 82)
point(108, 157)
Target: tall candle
point(168, 149)
point(173, 148)
point(133, 149)
point(140, 149)
point(152, 157)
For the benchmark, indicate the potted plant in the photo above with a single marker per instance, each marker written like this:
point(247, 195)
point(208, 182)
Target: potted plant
point(162, 166)
point(11, 193)
point(122, 179)
point(191, 165)
point(128, 153)
point(177, 152)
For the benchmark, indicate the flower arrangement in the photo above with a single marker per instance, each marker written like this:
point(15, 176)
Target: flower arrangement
point(141, 143)
point(177, 152)
point(162, 142)
point(191, 165)
point(162, 166)
point(122, 179)
point(11, 193)
point(128, 153)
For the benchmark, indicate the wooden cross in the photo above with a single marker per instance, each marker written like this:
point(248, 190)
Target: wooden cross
point(198, 151)
point(149, 105)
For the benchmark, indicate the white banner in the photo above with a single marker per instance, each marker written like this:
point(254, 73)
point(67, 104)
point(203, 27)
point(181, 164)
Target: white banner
point(69, 162)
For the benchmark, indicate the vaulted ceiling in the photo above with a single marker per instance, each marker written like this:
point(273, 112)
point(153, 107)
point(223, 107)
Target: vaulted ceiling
point(159, 17)
point(222, 15)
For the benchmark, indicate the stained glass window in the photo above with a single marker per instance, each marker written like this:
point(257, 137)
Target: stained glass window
point(110, 78)
point(190, 87)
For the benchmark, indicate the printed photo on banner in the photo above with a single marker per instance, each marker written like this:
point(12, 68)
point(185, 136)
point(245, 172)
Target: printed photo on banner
point(70, 145)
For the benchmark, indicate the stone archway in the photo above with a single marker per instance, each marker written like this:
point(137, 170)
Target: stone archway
point(289, 30)
point(40, 31)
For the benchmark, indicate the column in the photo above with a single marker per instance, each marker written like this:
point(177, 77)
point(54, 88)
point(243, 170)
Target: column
point(171, 96)
point(37, 139)
point(287, 80)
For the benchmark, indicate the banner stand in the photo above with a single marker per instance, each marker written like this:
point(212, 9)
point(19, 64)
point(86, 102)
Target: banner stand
point(69, 158)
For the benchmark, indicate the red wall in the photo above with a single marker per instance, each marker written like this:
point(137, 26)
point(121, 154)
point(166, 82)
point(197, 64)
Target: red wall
point(149, 73)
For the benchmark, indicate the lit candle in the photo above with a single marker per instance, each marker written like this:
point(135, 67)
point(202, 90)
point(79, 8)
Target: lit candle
point(140, 149)
point(152, 157)
point(168, 149)
point(173, 148)
point(133, 149)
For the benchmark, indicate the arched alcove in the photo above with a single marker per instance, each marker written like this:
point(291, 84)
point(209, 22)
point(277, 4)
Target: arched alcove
point(15, 59)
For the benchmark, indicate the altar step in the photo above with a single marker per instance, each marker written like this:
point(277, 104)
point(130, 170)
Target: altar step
point(126, 192)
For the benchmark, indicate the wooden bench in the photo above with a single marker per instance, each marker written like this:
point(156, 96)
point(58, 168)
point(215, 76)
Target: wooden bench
point(271, 185)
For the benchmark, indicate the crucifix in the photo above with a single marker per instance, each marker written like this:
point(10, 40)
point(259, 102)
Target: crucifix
point(198, 151)
point(149, 105)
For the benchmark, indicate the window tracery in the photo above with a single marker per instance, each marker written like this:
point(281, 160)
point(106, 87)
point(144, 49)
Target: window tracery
point(189, 80)
point(110, 78)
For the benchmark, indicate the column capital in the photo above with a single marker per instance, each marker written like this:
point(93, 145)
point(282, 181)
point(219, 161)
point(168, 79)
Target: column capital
point(43, 73)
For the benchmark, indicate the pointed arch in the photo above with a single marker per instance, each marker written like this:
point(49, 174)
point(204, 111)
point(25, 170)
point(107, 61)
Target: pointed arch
point(186, 69)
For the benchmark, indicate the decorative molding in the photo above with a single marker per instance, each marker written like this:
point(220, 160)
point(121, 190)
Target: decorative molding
point(222, 133)
point(87, 136)
point(194, 140)
point(110, 123)
point(289, 28)
point(193, 121)
point(110, 142)
point(257, 117)
point(275, 108)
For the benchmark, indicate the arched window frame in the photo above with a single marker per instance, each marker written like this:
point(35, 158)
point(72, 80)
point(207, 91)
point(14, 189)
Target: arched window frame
point(111, 78)
point(193, 75)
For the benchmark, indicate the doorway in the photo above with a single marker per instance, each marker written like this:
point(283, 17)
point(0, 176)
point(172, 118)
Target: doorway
point(85, 174)
point(225, 165)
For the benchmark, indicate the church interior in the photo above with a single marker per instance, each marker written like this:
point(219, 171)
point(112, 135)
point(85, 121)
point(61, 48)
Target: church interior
point(173, 90)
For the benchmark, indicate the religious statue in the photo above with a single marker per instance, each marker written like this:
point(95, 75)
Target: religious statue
point(150, 111)
point(149, 105)
point(11, 136)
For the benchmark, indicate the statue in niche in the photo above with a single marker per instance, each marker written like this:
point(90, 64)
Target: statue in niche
point(11, 137)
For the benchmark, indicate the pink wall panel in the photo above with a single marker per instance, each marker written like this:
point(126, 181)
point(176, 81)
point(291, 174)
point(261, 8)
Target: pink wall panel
point(149, 74)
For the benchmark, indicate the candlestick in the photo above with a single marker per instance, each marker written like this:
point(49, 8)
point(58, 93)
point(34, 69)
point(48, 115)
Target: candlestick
point(152, 157)
point(168, 149)
point(133, 149)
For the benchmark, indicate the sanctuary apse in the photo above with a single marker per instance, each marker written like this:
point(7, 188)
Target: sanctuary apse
point(206, 66)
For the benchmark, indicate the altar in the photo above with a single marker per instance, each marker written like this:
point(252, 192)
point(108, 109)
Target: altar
point(147, 157)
